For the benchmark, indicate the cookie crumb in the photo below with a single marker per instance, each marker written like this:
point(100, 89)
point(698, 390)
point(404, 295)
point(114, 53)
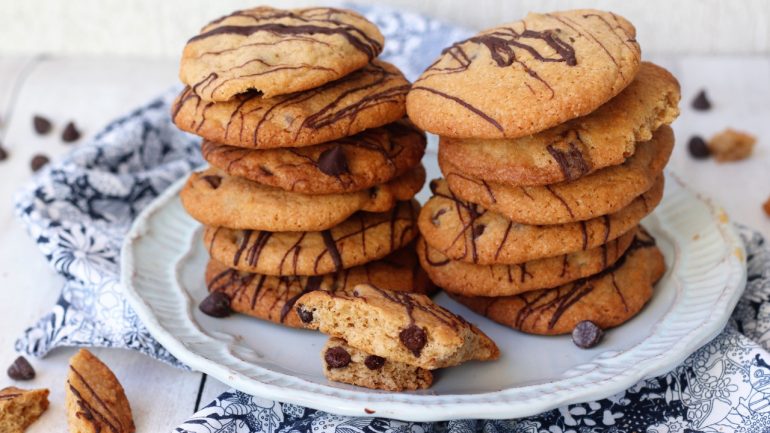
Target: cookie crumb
point(731, 145)
point(19, 408)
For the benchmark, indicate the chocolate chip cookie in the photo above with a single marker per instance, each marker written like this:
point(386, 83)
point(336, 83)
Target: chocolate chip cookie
point(19, 408)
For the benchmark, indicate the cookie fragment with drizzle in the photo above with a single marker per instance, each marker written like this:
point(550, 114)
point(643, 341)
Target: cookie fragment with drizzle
point(346, 364)
point(276, 51)
point(95, 400)
point(272, 298)
point(607, 299)
point(19, 408)
point(403, 327)
point(523, 77)
point(372, 96)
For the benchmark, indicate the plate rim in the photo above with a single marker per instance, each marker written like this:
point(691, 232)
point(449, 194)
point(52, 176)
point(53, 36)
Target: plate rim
point(419, 408)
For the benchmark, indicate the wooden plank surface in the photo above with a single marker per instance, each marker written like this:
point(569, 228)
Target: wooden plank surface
point(92, 92)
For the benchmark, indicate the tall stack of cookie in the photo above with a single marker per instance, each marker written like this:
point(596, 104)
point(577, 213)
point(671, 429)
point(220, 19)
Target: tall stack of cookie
point(553, 138)
point(313, 166)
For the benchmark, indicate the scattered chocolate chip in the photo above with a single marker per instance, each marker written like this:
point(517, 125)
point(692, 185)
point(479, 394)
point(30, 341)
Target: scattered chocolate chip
point(413, 338)
point(213, 180)
point(479, 230)
point(217, 304)
point(3, 153)
point(698, 147)
point(337, 357)
point(374, 362)
point(369, 411)
point(42, 125)
point(333, 161)
point(701, 102)
point(70, 133)
point(587, 334)
point(21, 369)
point(433, 185)
point(38, 161)
point(304, 315)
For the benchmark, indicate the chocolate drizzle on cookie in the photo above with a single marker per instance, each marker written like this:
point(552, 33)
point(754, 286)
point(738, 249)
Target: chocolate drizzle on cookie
point(93, 407)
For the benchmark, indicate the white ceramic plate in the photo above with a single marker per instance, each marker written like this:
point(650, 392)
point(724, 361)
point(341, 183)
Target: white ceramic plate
point(162, 269)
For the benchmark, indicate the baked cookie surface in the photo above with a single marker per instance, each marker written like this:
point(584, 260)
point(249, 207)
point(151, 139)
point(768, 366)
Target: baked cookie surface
point(370, 97)
point(362, 238)
point(346, 364)
point(576, 148)
point(95, 399)
point(348, 164)
point(275, 51)
point(505, 280)
point(399, 326)
point(272, 298)
point(527, 76)
point(19, 408)
point(467, 232)
point(608, 299)
point(600, 193)
point(216, 199)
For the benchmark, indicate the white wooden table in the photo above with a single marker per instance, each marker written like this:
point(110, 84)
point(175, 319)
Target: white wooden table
point(92, 92)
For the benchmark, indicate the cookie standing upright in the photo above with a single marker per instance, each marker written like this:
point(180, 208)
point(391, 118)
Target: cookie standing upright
point(521, 78)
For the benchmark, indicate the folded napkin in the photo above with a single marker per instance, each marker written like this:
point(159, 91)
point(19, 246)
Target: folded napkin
point(79, 209)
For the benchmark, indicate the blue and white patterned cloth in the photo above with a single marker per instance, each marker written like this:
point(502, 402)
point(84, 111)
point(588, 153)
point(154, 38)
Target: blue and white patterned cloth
point(79, 209)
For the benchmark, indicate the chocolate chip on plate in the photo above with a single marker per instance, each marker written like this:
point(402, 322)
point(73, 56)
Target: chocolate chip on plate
point(587, 334)
point(38, 161)
point(374, 362)
point(333, 161)
point(337, 357)
point(698, 147)
point(3, 153)
point(42, 125)
point(70, 133)
point(701, 102)
point(413, 338)
point(217, 304)
point(21, 369)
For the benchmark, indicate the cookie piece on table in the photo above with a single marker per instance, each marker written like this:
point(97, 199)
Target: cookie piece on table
point(272, 298)
point(467, 232)
point(600, 193)
point(95, 399)
point(362, 238)
point(346, 364)
point(604, 138)
point(399, 326)
point(607, 299)
point(19, 408)
point(731, 145)
point(523, 77)
point(348, 164)
point(276, 51)
point(370, 97)
point(506, 280)
point(216, 199)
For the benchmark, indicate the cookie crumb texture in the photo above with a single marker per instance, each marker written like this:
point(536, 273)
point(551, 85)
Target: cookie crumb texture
point(403, 327)
point(731, 145)
point(371, 371)
point(275, 51)
point(19, 408)
point(95, 399)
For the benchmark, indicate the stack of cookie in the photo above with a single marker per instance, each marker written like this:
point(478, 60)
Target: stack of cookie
point(553, 138)
point(313, 166)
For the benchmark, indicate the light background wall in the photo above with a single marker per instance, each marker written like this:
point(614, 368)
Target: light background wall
point(158, 28)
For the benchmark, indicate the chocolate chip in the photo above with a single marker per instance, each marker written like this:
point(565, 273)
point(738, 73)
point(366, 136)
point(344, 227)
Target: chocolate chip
point(701, 102)
point(698, 147)
point(433, 185)
point(3, 153)
point(374, 362)
point(435, 218)
point(333, 161)
point(217, 304)
point(478, 230)
point(70, 133)
point(304, 315)
point(587, 334)
point(38, 161)
point(42, 125)
point(413, 338)
point(21, 370)
point(213, 180)
point(337, 357)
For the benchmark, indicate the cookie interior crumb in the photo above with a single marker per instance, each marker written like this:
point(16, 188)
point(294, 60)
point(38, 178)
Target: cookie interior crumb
point(731, 145)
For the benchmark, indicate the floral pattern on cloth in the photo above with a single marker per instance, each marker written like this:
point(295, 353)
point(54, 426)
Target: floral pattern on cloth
point(79, 209)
